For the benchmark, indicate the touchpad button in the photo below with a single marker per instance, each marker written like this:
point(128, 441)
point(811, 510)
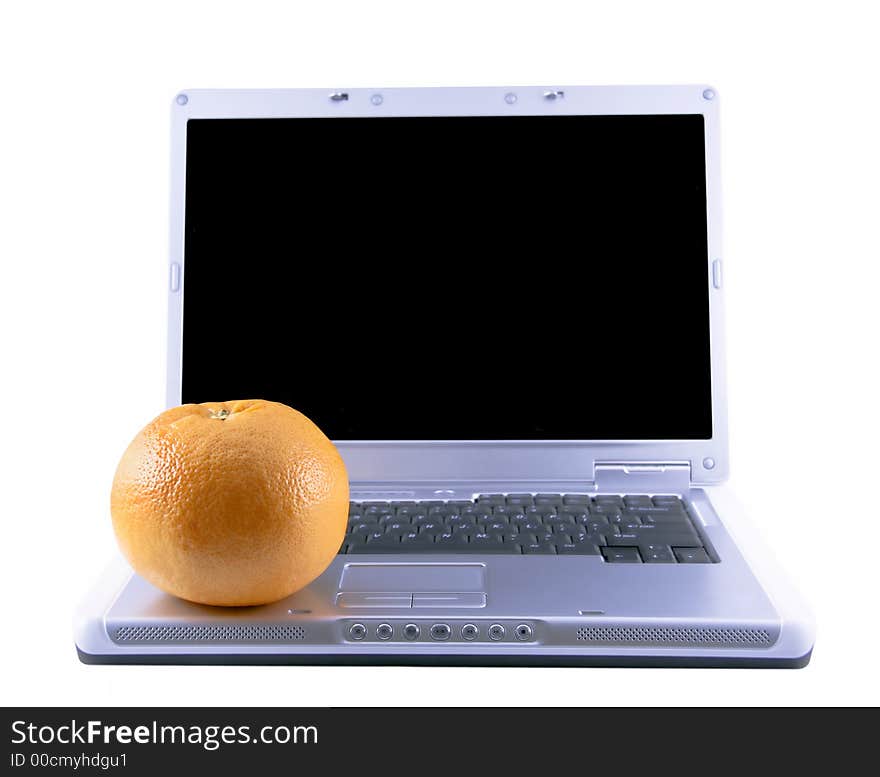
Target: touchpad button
point(408, 578)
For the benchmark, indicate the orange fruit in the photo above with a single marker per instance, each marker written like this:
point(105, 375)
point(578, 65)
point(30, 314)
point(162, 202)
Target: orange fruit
point(230, 503)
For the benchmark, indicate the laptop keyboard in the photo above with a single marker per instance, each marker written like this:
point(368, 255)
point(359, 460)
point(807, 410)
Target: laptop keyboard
point(631, 529)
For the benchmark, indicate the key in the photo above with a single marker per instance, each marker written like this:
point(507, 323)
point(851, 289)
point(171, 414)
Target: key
point(667, 524)
point(417, 539)
point(432, 529)
point(578, 549)
point(667, 499)
point(507, 536)
point(375, 509)
point(675, 527)
point(622, 555)
point(608, 499)
point(692, 556)
point(453, 539)
point(491, 499)
point(375, 547)
point(474, 550)
point(443, 509)
point(661, 533)
point(616, 540)
point(604, 511)
point(540, 510)
point(668, 527)
point(676, 540)
point(654, 510)
point(360, 528)
point(357, 538)
point(573, 514)
point(649, 530)
point(482, 539)
point(375, 538)
point(656, 556)
point(393, 520)
point(520, 500)
point(637, 500)
point(563, 528)
point(576, 499)
point(548, 499)
point(532, 525)
point(545, 548)
point(396, 523)
point(458, 544)
point(476, 511)
point(498, 522)
point(354, 509)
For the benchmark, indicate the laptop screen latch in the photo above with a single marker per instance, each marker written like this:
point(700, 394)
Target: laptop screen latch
point(638, 477)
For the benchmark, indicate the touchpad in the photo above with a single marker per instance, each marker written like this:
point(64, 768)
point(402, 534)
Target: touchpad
point(411, 578)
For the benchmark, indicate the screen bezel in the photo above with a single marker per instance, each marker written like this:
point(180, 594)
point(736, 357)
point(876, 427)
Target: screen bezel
point(458, 461)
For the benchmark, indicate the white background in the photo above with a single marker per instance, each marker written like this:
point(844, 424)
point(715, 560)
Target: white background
point(85, 101)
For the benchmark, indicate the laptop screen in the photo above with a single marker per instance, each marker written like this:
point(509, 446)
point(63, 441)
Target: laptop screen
point(452, 278)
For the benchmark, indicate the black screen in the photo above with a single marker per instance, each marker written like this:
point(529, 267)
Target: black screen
point(530, 277)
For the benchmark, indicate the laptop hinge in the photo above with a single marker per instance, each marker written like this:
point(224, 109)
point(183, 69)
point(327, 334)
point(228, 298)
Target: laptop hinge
point(642, 477)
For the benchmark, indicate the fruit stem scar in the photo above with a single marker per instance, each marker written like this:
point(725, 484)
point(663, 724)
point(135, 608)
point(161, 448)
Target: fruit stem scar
point(221, 414)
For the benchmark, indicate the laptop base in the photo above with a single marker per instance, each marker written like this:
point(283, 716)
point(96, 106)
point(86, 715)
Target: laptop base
point(452, 609)
point(319, 659)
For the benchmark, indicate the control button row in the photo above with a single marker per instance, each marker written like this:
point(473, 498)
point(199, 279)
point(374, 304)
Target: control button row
point(441, 632)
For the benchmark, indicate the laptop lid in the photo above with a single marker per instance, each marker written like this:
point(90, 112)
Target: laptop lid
point(458, 285)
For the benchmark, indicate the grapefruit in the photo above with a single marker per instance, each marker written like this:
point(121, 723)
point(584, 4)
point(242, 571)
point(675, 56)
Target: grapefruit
point(230, 503)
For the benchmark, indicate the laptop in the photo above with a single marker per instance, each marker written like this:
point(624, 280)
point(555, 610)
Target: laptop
point(505, 306)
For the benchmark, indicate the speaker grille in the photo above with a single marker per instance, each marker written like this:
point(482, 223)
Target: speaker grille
point(201, 634)
point(674, 636)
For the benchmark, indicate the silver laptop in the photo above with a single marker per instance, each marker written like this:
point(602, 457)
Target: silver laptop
point(505, 307)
